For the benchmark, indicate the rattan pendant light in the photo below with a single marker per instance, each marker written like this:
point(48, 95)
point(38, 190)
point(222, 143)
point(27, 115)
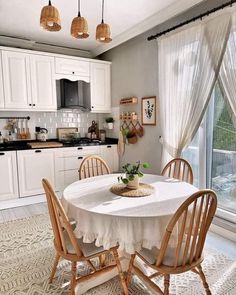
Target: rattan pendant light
point(79, 26)
point(50, 18)
point(103, 32)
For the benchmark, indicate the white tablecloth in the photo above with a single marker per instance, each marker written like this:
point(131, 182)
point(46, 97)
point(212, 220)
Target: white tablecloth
point(132, 222)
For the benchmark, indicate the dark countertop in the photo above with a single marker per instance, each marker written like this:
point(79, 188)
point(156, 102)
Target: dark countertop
point(23, 144)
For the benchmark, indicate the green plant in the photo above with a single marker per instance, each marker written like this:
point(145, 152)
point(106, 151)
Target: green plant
point(109, 120)
point(131, 170)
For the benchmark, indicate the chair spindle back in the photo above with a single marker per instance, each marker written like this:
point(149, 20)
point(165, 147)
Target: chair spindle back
point(61, 226)
point(191, 223)
point(93, 166)
point(180, 169)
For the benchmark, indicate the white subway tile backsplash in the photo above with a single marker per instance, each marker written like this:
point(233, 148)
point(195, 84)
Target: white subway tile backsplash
point(53, 120)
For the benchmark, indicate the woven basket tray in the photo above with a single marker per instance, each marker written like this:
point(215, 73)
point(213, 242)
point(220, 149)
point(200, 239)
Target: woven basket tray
point(144, 190)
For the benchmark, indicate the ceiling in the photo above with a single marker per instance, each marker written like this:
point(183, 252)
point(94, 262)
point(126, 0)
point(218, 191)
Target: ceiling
point(20, 19)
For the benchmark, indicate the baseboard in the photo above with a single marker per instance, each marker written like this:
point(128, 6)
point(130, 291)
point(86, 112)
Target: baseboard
point(8, 204)
point(222, 231)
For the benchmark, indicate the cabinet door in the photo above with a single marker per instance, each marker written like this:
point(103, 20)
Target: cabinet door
point(16, 80)
point(43, 82)
point(110, 155)
point(100, 88)
point(70, 66)
point(67, 164)
point(8, 176)
point(1, 86)
point(33, 165)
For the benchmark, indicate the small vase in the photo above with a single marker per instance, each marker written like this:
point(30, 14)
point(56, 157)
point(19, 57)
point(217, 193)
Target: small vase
point(110, 125)
point(133, 184)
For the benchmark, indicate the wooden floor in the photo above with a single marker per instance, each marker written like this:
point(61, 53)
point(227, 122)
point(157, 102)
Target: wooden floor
point(22, 212)
point(214, 241)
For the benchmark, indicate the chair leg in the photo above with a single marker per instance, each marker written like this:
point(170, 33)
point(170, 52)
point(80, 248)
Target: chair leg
point(129, 274)
point(73, 279)
point(102, 260)
point(203, 278)
point(166, 284)
point(121, 274)
point(54, 268)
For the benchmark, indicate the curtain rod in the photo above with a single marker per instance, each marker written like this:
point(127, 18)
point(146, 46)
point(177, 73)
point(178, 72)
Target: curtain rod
point(200, 16)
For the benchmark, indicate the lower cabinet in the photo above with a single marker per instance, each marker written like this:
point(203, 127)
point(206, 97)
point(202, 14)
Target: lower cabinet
point(21, 172)
point(110, 155)
point(33, 165)
point(8, 176)
point(68, 161)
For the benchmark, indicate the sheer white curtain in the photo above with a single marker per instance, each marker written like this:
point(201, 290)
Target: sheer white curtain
point(227, 75)
point(189, 63)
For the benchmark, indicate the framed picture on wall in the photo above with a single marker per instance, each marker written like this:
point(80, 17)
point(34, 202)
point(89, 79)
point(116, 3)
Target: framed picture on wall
point(148, 110)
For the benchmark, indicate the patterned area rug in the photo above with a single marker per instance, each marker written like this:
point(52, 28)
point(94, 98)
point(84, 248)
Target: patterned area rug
point(26, 255)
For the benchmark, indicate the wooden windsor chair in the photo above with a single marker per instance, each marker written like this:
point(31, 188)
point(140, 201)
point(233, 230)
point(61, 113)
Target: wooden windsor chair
point(93, 166)
point(70, 248)
point(191, 223)
point(180, 169)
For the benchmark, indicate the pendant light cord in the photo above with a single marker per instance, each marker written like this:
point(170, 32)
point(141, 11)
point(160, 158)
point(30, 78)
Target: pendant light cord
point(78, 8)
point(102, 11)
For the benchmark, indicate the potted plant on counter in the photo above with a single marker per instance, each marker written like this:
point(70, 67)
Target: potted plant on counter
point(110, 122)
point(133, 174)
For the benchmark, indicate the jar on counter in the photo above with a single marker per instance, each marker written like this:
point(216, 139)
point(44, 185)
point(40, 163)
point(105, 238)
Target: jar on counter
point(102, 133)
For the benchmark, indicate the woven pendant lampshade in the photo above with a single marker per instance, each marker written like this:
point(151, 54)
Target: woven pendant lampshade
point(79, 26)
point(103, 32)
point(50, 18)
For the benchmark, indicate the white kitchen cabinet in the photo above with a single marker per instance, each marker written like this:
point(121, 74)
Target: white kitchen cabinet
point(69, 66)
point(68, 161)
point(16, 80)
point(1, 86)
point(43, 82)
point(110, 155)
point(8, 176)
point(33, 165)
point(29, 81)
point(100, 87)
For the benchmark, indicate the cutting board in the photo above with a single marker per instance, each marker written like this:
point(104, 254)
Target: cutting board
point(46, 144)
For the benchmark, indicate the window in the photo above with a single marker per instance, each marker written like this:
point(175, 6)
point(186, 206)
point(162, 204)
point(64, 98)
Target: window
point(223, 175)
point(212, 152)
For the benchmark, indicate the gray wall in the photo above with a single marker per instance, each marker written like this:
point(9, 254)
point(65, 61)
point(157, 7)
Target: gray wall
point(135, 73)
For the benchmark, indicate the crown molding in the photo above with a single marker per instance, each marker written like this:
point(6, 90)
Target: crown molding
point(161, 16)
point(33, 45)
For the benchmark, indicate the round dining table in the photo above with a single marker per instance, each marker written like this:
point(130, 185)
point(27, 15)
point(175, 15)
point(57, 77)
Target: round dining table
point(131, 222)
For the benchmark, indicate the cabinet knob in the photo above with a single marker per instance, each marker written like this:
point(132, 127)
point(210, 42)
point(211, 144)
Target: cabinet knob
point(73, 73)
point(38, 151)
point(109, 146)
point(80, 158)
point(2, 154)
point(33, 104)
point(79, 148)
point(92, 107)
point(30, 104)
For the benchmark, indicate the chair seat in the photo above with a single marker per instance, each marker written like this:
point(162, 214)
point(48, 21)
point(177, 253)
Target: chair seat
point(88, 249)
point(151, 256)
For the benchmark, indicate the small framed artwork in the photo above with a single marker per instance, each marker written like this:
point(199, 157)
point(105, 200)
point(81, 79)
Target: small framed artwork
point(148, 110)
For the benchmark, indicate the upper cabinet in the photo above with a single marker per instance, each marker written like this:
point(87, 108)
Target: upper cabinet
point(43, 83)
point(100, 87)
point(28, 81)
point(1, 86)
point(16, 80)
point(70, 66)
